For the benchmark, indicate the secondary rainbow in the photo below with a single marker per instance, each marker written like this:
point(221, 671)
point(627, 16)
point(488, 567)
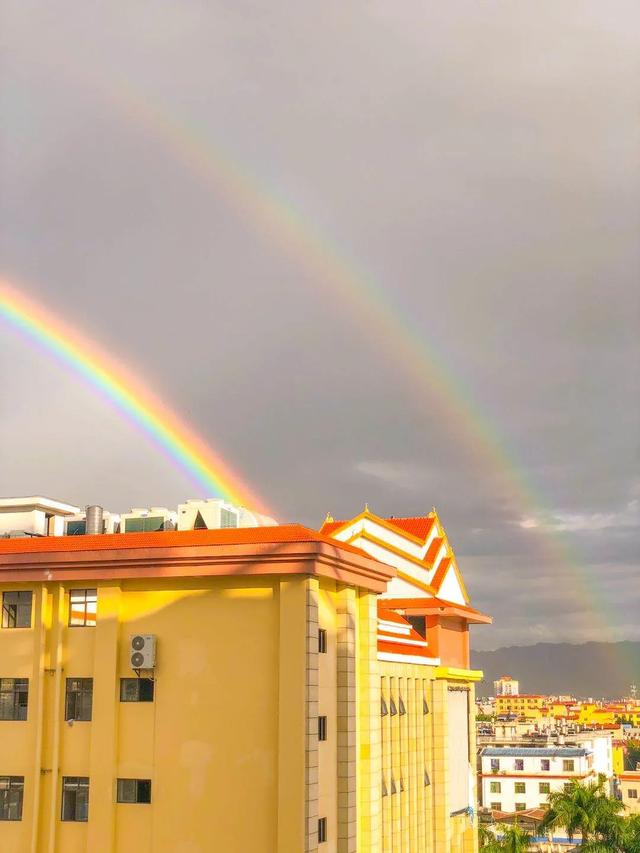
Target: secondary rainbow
point(186, 450)
point(431, 382)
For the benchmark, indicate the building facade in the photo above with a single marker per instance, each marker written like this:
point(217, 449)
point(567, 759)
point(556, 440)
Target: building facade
point(506, 686)
point(629, 791)
point(286, 697)
point(521, 778)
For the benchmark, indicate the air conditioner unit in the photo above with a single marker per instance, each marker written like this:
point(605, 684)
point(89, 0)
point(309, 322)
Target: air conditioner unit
point(142, 651)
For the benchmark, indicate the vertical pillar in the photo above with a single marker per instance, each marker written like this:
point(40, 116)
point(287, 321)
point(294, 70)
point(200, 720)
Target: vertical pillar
point(295, 752)
point(312, 680)
point(104, 717)
point(369, 769)
point(471, 834)
point(440, 781)
point(53, 704)
point(346, 719)
point(37, 703)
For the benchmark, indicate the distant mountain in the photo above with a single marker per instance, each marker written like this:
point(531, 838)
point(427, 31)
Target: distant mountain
point(587, 670)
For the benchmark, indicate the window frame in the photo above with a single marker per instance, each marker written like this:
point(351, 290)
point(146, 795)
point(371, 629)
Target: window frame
point(568, 765)
point(12, 783)
point(322, 727)
point(78, 696)
point(495, 787)
point(518, 765)
point(19, 688)
point(545, 764)
point(148, 684)
point(544, 785)
point(75, 785)
point(322, 830)
point(137, 786)
point(141, 523)
point(7, 617)
point(520, 788)
point(322, 641)
point(89, 619)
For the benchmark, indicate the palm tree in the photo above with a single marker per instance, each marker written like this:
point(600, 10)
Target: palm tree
point(585, 809)
point(514, 840)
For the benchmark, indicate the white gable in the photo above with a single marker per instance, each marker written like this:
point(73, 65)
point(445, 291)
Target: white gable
point(450, 587)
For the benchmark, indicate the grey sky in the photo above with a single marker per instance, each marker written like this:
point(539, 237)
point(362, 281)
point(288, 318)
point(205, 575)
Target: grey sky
point(478, 160)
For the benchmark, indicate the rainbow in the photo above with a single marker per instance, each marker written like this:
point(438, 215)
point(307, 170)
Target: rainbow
point(186, 450)
point(421, 364)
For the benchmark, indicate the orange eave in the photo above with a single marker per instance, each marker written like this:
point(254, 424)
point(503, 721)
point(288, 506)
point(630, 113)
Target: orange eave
point(284, 549)
point(437, 606)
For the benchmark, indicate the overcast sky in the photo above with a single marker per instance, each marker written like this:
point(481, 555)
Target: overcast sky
point(474, 162)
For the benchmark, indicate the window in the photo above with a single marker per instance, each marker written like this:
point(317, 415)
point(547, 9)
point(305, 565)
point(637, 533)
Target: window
point(322, 830)
point(14, 698)
point(496, 807)
point(567, 786)
point(322, 728)
point(520, 807)
point(322, 641)
point(228, 518)
point(144, 525)
point(568, 766)
point(11, 794)
point(16, 609)
point(75, 798)
point(544, 788)
point(134, 790)
point(495, 765)
point(76, 528)
point(495, 788)
point(79, 699)
point(519, 764)
point(544, 806)
point(632, 794)
point(520, 788)
point(83, 607)
point(136, 689)
point(545, 764)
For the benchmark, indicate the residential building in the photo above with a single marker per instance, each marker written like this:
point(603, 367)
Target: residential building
point(521, 778)
point(520, 704)
point(629, 790)
point(264, 688)
point(506, 686)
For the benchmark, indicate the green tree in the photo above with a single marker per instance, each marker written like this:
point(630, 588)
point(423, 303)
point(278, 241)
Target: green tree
point(632, 754)
point(588, 810)
point(514, 840)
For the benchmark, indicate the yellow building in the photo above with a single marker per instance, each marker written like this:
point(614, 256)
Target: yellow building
point(629, 784)
point(236, 690)
point(523, 705)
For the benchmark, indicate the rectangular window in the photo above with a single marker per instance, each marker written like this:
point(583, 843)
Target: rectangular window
point(545, 764)
point(495, 765)
point(16, 609)
point(75, 798)
point(76, 528)
point(322, 830)
point(134, 790)
point(568, 766)
point(14, 698)
point(228, 518)
point(632, 793)
point(519, 764)
point(544, 806)
point(520, 807)
point(79, 699)
point(151, 524)
point(322, 728)
point(567, 786)
point(496, 807)
point(495, 788)
point(322, 641)
point(520, 788)
point(83, 607)
point(544, 788)
point(11, 795)
point(136, 689)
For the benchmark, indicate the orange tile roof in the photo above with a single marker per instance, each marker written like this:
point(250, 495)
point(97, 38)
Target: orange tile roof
point(418, 526)
point(434, 548)
point(172, 539)
point(441, 572)
point(434, 604)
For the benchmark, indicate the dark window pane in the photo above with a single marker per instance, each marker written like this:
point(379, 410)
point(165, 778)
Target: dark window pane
point(228, 518)
point(11, 796)
point(16, 609)
point(136, 689)
point(134, 791)
point(143, 525)
point(79, 699)
point(76, 528)
point(144, 790)
point(75, 798)
point(14, 698)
